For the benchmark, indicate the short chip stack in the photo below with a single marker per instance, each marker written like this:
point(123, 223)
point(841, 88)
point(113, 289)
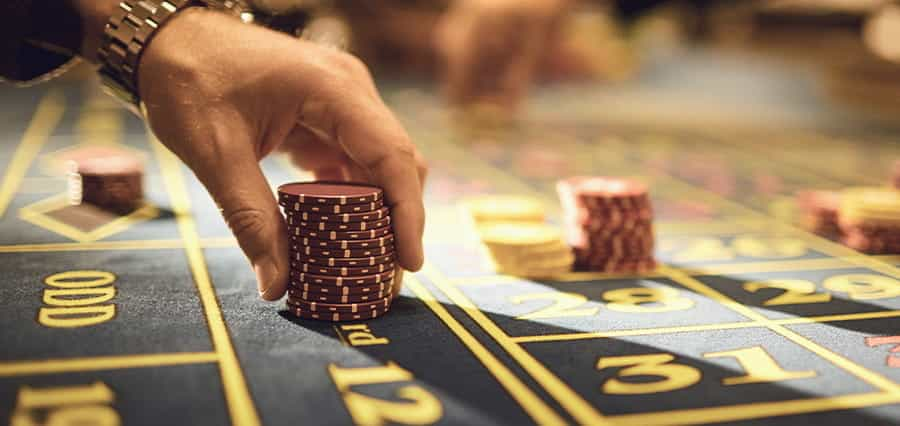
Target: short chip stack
point(870, 219)
point(609, 223)
point(342, 250)
point(819, 211)
point(532, 250)
point(110, 182)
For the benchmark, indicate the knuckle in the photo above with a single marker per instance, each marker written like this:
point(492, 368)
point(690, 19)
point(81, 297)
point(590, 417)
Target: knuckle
point(349, 65)
point(246, 222)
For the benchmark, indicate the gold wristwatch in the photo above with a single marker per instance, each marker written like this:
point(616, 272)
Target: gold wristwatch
point(128, 31)
point(134, 23)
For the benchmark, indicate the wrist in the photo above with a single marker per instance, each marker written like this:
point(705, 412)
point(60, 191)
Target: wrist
point(94, 16)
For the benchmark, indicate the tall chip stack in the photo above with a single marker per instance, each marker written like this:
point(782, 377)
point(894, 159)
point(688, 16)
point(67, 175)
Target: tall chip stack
point(870, 219)
point(609, 223)
point(341, 250)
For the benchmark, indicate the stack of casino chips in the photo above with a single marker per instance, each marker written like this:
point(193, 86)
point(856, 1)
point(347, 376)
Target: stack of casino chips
point(110, 182)
point(531, 250)
point(341, 250)
point(609, 223)
point(870, 219)
point(819, 209)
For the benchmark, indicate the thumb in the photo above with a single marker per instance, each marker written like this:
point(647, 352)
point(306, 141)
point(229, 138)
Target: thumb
point(233, 177)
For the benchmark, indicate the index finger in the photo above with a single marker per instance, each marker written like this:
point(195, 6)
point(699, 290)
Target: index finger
point(375, 140)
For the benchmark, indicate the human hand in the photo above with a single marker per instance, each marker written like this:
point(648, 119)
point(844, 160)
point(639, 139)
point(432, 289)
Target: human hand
point(222, 94)
point(491, 48)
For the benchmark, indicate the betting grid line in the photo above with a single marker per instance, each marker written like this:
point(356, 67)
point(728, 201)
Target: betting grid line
point(825, 246)
point(571, 401)
point(35, 214)
point(524, 397)
point(44, 121)
point(531, 403)
point(499, 335)
point(68, 365)
point(857, 370)
point(756, 410)
point(240, 403)
point(703, 327)
point(561, 392)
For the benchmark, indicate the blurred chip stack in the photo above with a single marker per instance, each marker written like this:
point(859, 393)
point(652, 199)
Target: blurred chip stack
point(488, 209)
point(342, 250)
point(533, 250)
point(609, 223)
point(819, 210)
point(111, 182)
point(514, 234)
point(870, 219)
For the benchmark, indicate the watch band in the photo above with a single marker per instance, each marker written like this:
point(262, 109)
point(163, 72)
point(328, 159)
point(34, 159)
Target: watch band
point(128, 31)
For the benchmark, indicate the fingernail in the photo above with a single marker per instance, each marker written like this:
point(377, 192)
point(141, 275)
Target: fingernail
point(266, 273)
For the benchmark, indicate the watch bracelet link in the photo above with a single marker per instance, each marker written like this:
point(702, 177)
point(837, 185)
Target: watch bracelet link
point(128, 31)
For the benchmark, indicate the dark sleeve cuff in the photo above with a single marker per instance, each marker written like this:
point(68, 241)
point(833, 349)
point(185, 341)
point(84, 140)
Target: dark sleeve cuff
point(20, 61)
point(30, 64)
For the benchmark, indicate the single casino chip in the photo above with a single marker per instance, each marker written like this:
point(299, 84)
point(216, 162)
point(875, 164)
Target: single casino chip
point(338, 298)
point(383, 303)
point(339, 217)
point(341, 281)
point(301, 287)
point(343, 261)
point(340, 226)
point(331, 209)
point(504, 208)
point(111, 182)
point(329, 193)
point(336, 316)
point(341, 271)
point(387, 240)
point(362, 252)
point(295, 231)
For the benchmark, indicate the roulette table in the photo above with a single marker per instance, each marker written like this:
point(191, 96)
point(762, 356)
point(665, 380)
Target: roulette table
point(152, 317)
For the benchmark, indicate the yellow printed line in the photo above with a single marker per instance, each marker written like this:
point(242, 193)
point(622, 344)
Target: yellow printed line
point(226, 242)
point(240, 403)
point(634, 332)
point(46, 117)
point(703, 327)
point(572, 402)
point(713, 227)
point(98, 245)
point(36, 214)
point(756, 410)
point(56, 366)
point(851, 367)
point(531, 403)
point(773, 266)
point(822, 244)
